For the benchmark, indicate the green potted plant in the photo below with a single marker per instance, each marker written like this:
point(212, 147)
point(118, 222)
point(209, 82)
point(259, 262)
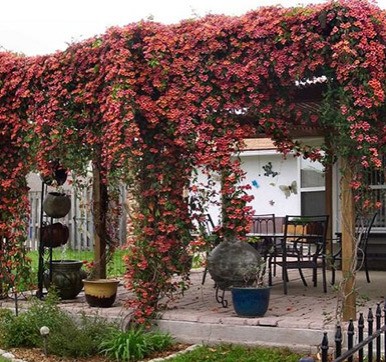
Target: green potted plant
point(252, 298)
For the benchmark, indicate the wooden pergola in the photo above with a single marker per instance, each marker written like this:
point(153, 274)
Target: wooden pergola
point(309, 97)
point(148, 103)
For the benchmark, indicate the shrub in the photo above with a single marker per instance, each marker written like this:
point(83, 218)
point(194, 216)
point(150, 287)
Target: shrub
point(80, 339)
point(134, 344)
point(67, 337)
point(23, 330)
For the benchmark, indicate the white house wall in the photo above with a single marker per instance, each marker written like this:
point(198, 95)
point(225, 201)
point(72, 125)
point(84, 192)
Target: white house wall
point(268, 197)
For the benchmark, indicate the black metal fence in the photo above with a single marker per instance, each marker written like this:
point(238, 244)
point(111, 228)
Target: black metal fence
point(367, 349)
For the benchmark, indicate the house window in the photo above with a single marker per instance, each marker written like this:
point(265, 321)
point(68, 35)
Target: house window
point(312, 188)
point(376, 180)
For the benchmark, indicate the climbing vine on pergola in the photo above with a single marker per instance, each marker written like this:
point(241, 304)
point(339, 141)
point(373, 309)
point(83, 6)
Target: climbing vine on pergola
point(147, 103)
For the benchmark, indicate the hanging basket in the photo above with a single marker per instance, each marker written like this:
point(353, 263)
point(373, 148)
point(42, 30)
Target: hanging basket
point(56, 204)
point(57, 178)
point(58, 175)
point(54, 235)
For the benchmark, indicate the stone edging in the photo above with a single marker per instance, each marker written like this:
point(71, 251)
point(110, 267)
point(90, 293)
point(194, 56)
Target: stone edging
point(10, 356)
point(190, 348)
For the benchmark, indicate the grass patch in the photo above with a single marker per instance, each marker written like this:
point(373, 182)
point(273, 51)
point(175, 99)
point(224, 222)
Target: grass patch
point(115, 267)
point(237, 353)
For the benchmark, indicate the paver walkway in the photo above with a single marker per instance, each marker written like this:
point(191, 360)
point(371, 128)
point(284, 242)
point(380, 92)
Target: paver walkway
point(296, 320)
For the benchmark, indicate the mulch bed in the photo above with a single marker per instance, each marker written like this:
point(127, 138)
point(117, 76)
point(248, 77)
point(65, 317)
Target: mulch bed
point(37, 355)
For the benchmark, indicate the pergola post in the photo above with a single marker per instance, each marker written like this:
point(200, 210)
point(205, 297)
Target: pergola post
point(99, 195)
point(329, 203)
point(348, 243)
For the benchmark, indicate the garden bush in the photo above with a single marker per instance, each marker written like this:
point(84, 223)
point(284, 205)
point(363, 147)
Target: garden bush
point(134, 344)
point(68, 337)
point(23, 330)
point(80, 339)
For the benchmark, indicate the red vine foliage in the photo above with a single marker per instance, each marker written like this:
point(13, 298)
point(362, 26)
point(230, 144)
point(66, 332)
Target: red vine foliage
point(16, 144)
point(150, 102)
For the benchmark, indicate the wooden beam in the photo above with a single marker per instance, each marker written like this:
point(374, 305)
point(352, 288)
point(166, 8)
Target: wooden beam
point(310, 93)
point(329, 204)
point(348, 244)
point(99, 216)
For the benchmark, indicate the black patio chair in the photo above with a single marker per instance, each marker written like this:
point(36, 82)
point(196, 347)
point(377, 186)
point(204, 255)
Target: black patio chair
point(205, 229)
point(263, 224)
point(303, 246)
point(363, 226)
point(264, 228)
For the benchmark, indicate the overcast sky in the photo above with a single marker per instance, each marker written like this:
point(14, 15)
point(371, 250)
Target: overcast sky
point(44, 26)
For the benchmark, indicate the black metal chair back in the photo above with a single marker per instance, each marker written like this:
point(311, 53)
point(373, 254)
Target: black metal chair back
point(363, 229)
point(205, 228)
point(263, 224)
point(266, 227)
point(205, 225)
point(304, 247)
point(363, 226)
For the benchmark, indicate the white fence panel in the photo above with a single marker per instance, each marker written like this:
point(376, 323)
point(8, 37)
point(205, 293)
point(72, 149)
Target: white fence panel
point(79, 220)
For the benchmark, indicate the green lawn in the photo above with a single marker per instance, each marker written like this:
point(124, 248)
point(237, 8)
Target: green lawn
point(237, 353)
point(115, 267)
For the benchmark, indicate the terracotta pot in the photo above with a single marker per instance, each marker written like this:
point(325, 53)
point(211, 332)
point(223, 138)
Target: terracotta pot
point(100, 292)
point(66, 277)
point(56, 204)
point(54, 235)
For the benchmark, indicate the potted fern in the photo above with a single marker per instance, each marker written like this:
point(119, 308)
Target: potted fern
point(252, 299)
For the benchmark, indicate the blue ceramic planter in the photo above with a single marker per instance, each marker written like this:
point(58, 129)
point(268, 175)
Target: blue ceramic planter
point(250, 302)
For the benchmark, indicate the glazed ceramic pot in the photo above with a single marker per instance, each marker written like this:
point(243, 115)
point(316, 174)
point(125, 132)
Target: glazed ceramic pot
point(250, 302)
point(100, 292)
point(54, 235)
point(56, 204)
point(66, 278)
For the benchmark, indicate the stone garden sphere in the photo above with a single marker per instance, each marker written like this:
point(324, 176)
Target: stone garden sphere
point(229, 261)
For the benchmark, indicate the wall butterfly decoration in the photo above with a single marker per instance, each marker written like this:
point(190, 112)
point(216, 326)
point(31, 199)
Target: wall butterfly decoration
point(289, 189)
